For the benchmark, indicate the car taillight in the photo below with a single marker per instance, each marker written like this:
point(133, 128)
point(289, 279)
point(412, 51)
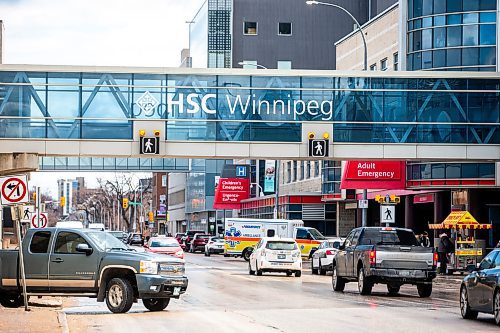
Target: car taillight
point(329, 253)
point(373, 257)
point(434, 259)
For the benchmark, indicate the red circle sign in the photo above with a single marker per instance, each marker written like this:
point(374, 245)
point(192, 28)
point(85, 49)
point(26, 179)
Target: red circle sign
point(13, 189)
point(43, 221)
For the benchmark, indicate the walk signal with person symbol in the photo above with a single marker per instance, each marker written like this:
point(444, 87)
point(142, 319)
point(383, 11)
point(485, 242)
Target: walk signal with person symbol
point(318, 147)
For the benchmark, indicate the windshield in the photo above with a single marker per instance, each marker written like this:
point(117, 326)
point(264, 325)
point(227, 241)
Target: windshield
point(281, 246)
point(388, 237)
point(118, 234)
point(105, 241)
point(316, 234)
point(164, 243)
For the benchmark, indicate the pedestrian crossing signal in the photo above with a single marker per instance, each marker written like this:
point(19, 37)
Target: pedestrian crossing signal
point(150, 146)
point(318, 148)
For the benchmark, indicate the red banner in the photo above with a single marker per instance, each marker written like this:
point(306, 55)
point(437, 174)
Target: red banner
point(374, 175)
point(423, 198)
point(230, 192)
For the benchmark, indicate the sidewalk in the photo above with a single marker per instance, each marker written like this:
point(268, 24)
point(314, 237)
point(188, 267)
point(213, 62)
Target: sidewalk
point(43, 317)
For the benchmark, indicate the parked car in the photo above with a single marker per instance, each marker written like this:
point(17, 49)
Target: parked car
point(214, 245)
point(480, 290)
point(89, 263)
point(188, 237)
point(322, 258)
point(164, 245)
point(121, 235)
point(136, 238)
point(198, 243)
point(390, 256)
point(276, 255)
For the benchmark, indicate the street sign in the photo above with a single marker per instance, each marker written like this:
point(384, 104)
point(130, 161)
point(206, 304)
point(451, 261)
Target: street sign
point(362, 203)
point(150, 146)
point(27, 211)
point(43, 220)
point(132, 203)
point(387, 214)
point(14, 190)
point(318, 148)
point(241, 171)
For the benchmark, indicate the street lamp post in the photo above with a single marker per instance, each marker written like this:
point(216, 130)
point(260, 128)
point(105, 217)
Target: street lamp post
point(277, 171)
point(364, 211)
point(261, 191)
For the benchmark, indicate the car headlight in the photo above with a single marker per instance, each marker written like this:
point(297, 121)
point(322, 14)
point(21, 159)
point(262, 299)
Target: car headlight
point(148, 267)
point(179, 254)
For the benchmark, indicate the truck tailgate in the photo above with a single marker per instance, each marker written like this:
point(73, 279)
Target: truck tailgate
point(404, 257)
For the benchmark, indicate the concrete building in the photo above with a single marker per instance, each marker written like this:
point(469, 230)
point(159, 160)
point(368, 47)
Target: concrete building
point(69, 189)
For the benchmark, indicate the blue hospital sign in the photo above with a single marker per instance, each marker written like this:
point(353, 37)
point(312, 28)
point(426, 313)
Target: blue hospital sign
point(241, 171)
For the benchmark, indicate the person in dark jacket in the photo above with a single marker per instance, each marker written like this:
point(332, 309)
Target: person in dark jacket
point(444, 247)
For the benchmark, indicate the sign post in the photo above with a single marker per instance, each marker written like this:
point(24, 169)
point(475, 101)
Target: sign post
point(21, 257)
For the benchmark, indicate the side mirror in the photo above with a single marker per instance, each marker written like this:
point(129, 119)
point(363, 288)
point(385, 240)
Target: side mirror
point(84, 248)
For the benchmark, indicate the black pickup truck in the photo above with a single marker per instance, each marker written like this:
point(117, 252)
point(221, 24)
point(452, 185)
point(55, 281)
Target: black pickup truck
point(390, 256)
point(90, 263)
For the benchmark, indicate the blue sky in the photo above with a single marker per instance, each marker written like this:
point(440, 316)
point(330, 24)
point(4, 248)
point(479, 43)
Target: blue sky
point(147, 33)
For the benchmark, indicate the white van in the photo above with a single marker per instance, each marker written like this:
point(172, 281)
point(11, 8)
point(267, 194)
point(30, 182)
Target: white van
point(70, 224)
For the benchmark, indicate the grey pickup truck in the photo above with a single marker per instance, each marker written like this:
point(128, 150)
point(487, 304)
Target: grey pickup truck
point(90, 263)
point(390, 256)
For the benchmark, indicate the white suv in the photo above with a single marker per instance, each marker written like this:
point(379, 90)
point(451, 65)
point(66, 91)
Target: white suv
point(273, 254)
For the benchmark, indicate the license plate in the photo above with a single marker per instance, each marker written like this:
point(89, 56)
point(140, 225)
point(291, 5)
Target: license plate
point(281, 256)
point(177, 291)
point(404, 273)
point(177, 282)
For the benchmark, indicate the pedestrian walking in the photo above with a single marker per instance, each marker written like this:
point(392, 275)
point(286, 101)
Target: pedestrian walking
point(424, 240)
point(444, 247)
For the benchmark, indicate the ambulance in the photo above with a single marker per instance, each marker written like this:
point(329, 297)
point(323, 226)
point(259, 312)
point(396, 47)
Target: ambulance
point(241, 235)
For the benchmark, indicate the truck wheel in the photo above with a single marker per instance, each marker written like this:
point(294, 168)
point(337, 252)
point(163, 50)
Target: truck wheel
point(246, 254)
point(393, 289)
point(119, 295)
point(298, 273)
point(259, 271)
point(12, 300)
point(364, 284)
point(338, 283)
point(424, 290)
point(465, 310)
point(313, 270)
point(156, 304)
point(288, 273)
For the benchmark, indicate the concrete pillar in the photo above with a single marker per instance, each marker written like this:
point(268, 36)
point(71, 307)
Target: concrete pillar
point(18, 163)
point(409, 215)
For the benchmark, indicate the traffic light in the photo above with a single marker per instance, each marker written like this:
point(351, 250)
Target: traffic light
point(151, 216)
point(62, 201)
point(34, 196)
point(125, 203)
point(311, 135)
point(379, 198)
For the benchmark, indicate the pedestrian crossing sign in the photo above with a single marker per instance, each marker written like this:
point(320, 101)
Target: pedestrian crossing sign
point(150, 146)
point(318, 148)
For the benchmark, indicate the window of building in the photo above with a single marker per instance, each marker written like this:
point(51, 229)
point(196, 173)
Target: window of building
point(288, 172)
point(285, 29)
point(395, 58)
point(308, 169)
point(294, 171)
point(40, 242)
point(373, 67)
point(284, 64)
point(250, 28)
point(316, 168)
point(301, 172)
point(383, 64)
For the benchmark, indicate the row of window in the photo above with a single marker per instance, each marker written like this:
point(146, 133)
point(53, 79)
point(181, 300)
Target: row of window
point(384, 63)
point(467, 35)
point(252, 28)
point(458, 57)
point(452, 19)
point(300, 170)
point(451, 171)
point(280, 64)
point(418, 8)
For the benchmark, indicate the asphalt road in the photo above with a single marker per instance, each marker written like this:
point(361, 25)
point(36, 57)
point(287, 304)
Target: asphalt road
point(222, 297)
